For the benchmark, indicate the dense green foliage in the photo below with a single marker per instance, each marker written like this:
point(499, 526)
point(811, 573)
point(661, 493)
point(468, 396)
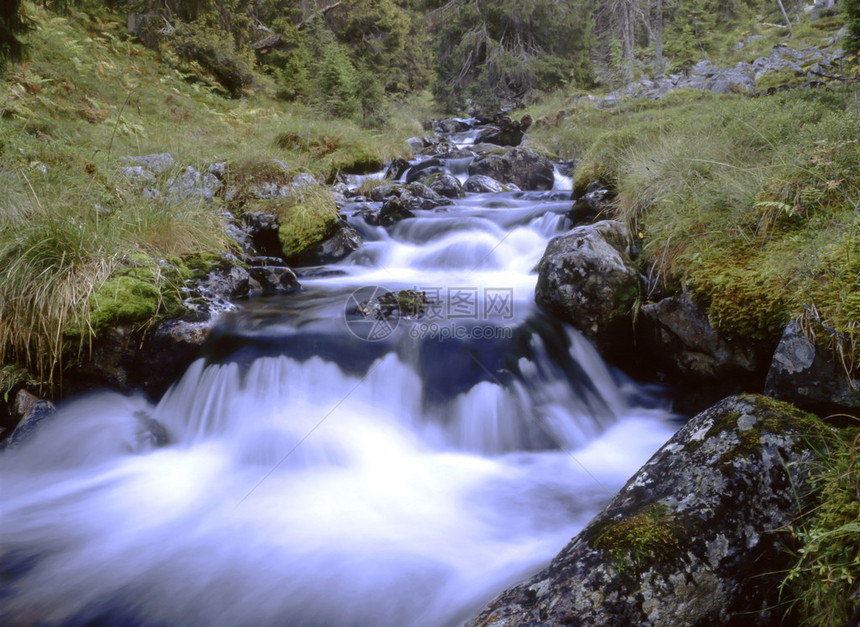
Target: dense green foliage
point(497, 52)
point(851, 8)
point(13, 25)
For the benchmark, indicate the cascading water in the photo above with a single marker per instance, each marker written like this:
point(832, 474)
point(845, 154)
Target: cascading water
point(316, 477)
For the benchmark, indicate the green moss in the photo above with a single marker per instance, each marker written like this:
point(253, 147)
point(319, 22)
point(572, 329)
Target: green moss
point(306, 221)
point(357, 158)
point(786, 76)
point(649, 535)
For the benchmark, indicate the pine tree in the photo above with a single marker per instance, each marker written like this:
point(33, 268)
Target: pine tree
point(851, 9)
point(13, 25)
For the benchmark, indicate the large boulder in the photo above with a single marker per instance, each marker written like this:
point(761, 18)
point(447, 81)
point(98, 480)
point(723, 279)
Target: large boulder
point(694, 538)
point(587, 278)
point(524, 167)
point(807, 375)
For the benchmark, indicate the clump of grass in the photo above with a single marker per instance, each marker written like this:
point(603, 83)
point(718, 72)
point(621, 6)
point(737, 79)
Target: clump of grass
point(371, 183)
point(821, 588)
point(750, 204)
point(306, 219)
point(59, 250)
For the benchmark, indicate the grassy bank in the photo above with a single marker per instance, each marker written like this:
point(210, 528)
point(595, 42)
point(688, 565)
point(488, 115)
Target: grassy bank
point(81, 245)
point(751, 204)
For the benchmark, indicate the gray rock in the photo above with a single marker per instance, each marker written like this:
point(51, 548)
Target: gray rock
point(138, 173)
point(227, 280)
point(804, 374)
point(694, 537)
point(480, 184)
point(445, 185)
point(416, 145)
point(262, 228)
point(274, 279)
point(193, 184)
point(524, 167)
point(30, 411)
point(158, 163)
point(587, 278)
point(677, 332)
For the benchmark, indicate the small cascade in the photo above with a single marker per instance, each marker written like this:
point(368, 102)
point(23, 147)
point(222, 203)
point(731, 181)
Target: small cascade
point(306, 471)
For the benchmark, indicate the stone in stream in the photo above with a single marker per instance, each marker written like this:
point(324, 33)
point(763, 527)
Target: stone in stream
point(695, 537)
point(586, 277)
point(524, 167)
point(445, 184)
point(480, 184)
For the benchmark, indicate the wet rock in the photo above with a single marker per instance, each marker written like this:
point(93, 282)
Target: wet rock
point(480, 184)
point(524, 167)
point(392, 211)
point(693, 538)
point(416, 145)
point(446, 185)
point(586, 277)
point(30, 410)
point(269, 280)
point(344, 241)
point(506, 132)
point(421, 171)
point(452, 125)
point(397, 168)
point(807, 375)
point(228, 280)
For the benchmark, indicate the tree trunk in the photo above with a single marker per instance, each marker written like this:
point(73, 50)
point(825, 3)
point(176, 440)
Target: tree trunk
point(658, 39)
point(787, 21)
point(627, 41)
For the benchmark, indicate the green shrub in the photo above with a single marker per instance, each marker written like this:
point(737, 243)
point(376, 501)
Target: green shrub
point(213, 51)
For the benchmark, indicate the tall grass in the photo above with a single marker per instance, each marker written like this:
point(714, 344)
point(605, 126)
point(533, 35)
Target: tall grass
point(58, 248)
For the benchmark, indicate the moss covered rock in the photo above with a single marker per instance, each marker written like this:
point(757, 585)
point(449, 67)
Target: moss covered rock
point(306, 221)
point(694, 538)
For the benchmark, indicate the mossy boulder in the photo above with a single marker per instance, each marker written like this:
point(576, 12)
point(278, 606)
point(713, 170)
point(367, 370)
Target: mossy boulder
point(130, 298)
point(307, 220)
point(694, 538)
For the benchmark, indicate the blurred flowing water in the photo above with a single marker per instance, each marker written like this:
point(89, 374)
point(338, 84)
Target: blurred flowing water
point(319, 472)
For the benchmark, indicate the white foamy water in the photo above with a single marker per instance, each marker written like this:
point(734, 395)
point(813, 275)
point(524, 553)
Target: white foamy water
point(313, 479)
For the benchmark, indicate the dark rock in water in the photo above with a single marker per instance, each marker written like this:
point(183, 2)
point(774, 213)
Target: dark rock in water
point(30, 411)
point(273, 280)
point(396, 169)
point(524, 167)
point(807, 375)
point(227, 280)
point(506, 132)
point(452, 125)
point(586, 277)
point(480, 184)
point(677, 333)
point(425, 170)
point(344, 241)
point(392, 211)
point(694, 538)
point(405, 304)
point(446, 185)
point(150, 433)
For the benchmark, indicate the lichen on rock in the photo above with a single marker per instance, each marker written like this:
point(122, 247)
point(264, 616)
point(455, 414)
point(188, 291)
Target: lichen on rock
point(694, 538)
